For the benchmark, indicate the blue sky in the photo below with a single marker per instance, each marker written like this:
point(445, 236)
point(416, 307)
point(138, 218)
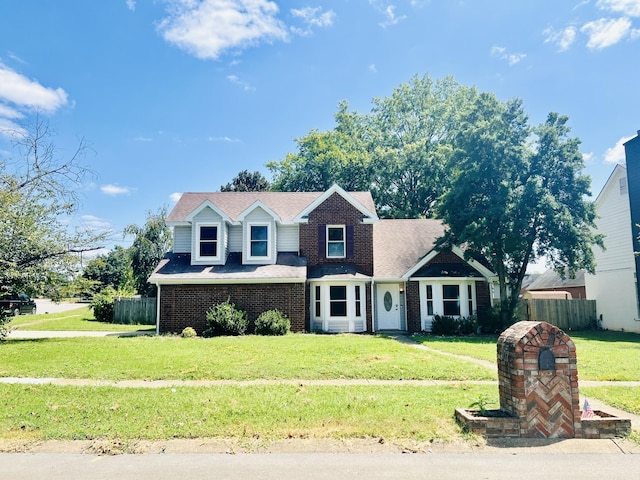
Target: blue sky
point(181, 95)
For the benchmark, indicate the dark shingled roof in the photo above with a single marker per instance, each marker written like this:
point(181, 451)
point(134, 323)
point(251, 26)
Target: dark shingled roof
point(178, 268)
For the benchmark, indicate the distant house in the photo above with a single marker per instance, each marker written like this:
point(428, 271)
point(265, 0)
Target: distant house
point(551, 281)
point(614, 285)
point(324, 259)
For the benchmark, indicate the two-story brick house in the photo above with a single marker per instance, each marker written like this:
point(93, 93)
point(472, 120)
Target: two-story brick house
point(324, 259)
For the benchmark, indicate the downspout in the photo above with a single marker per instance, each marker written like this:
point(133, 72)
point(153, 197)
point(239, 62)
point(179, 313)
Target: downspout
point(158, 310)
point(373, 312)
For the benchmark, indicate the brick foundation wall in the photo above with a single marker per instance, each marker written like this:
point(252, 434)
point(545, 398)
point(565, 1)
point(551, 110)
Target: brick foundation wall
point(186, 305)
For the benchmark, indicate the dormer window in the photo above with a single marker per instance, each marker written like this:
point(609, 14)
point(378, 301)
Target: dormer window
point(336, 241)
point(259, 241)
point(208, 241)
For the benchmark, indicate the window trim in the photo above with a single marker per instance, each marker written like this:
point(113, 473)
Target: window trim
point(218, 241)
point(249, 241)
point(343, 241)
point(468, 306)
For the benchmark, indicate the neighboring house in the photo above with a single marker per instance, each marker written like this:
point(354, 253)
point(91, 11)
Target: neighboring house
point(550, 281)
point(614, 285)
point(324, 259)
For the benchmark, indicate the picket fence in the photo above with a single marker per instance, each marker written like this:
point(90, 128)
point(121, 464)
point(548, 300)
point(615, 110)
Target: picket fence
point(575, 314)
point(140, 310)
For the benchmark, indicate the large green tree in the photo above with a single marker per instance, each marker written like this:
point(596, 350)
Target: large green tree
point(111, 269)
point(398, 151)
point(150, 243)
point(518, 194)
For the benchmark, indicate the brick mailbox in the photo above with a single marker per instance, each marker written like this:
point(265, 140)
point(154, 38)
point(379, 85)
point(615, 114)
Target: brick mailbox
point(538, 380)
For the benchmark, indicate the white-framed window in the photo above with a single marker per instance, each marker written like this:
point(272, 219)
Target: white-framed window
point(447, 296)
point(258, 240)
point(336, 241)
point(208, 241)
point(338, 307)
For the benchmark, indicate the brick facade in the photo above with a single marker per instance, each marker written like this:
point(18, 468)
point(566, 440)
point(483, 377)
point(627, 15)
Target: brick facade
point(335, 210)
point(186, 305)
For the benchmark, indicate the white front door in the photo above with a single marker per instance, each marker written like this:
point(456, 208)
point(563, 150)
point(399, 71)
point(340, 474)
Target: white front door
point(388, 306)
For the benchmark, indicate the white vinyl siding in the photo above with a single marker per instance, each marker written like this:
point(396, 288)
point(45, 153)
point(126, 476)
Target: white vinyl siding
point(613, 285)
point(235, 238)
point(288, 238)
point(182, 239)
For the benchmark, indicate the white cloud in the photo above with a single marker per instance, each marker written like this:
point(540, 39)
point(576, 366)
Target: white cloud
point(626, 7)
point(95, 223)
point(209, 28)
point(312, 17)
point(503, 54)
point(563, 39)
point(223, 139)
point(23, 92)
point(392, 19)
point(114, 190)
point(606, 32)
point(372, 68)
point(175, 197)
point(245, 85)
point(616, 154)
point(131, 4)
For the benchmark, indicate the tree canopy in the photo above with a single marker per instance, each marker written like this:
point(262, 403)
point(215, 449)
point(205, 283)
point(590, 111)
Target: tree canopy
point(518, 193)
point(398, 151)
point(246, 181)
point(150, 244)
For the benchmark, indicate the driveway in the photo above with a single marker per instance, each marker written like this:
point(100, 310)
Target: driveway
point(47, 306)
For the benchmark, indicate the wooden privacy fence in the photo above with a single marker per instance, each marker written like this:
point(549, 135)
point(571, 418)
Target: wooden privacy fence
point(135, 311)
point(564, 314)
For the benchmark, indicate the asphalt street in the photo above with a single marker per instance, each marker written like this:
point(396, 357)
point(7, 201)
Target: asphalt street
point(501, 466)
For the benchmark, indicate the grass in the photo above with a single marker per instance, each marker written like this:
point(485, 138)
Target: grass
point(601, 355)
point(271, 411)
point(80, 319)
point(237, 358)
point(41, 412)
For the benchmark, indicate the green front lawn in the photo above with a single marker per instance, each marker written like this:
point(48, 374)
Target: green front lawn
point(268, 412)
point(601, 355)
point(295, 356)
point(80, 319)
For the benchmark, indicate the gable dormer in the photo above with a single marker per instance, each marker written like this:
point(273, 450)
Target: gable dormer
point(259, 234)
point(209, 234)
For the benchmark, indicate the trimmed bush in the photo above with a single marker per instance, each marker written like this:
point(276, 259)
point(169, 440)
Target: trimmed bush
point(226, 319)
point(446, 325)
point(272, 322)
point(102, 305)
point(188, 332)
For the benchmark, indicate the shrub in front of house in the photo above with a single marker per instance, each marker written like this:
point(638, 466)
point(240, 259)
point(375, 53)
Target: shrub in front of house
point(226, 319)
point(447, 325)
point(188, 332)
point(272, 322)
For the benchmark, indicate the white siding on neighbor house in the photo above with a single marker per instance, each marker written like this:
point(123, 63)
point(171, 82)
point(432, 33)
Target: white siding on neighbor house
point(613, 285)
point(288, 238)
point(182, 239)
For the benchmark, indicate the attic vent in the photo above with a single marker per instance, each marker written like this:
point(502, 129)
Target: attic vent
point(623, 186)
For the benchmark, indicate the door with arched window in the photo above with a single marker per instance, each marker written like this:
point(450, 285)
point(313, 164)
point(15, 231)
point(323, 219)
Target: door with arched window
point(388, 311)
